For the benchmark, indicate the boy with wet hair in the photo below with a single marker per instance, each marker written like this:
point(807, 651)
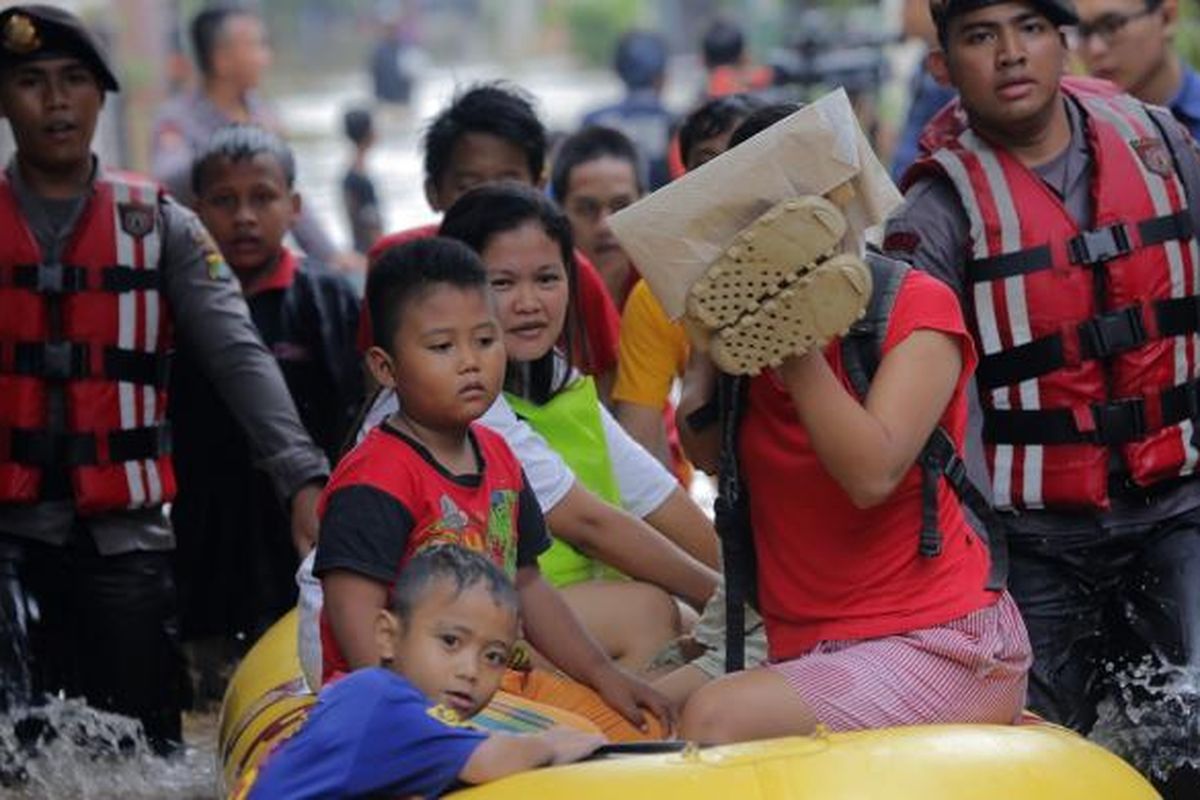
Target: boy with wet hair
point(233, 585)
point(428, 475)
point(399, 729)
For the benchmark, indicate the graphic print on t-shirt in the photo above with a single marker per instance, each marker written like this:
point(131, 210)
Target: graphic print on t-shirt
point(493, 537)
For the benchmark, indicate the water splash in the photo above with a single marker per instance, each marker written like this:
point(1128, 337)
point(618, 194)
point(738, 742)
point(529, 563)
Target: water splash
point(67, 749)
point(1155, 722)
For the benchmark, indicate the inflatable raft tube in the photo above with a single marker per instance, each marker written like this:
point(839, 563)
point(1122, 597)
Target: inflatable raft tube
point(267, 700)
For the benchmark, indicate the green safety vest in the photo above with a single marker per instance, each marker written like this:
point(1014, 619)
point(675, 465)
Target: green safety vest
point(571, 424)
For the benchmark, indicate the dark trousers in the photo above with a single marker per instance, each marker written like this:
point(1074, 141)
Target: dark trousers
point(99, 627)
point(1096, 604)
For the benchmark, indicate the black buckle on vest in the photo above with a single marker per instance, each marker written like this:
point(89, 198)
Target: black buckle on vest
point(58, 360)
point(1121, 421)
point(1101, 244)
point(1112, 333)
point(50, 278)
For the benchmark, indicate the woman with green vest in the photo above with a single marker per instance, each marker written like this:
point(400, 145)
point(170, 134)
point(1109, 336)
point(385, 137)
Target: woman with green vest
point(620, 586)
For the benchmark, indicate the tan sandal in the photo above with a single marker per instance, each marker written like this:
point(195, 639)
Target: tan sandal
point(807, 313)
point(787, 241)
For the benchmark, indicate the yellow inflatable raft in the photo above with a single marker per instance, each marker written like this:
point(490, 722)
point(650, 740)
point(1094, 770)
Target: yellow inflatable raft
point(267, 700)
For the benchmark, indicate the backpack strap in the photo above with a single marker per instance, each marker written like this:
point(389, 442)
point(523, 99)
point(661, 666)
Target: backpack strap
point(732, 520)
point(862, 350)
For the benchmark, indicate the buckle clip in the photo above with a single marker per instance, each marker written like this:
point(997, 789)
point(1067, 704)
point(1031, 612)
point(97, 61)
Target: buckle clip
point(1115, 332)
point(50, 278)
point(1099, 245)
point(56, 360)
point(1120, 421)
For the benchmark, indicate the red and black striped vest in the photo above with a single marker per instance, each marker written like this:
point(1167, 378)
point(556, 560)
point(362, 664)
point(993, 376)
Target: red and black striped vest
point(96, 326)
point(1088, 338)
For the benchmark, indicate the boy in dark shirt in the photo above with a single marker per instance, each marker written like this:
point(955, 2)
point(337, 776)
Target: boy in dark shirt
point(236, 559)
point(358, 190)
point(429, 475)
point(400, 729)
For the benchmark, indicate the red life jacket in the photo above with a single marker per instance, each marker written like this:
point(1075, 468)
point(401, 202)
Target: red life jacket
point(1088, 337)
point(96, 327)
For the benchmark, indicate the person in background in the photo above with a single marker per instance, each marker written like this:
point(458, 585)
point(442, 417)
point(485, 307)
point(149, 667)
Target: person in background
point(234, 558)
point(491, 132)
point(926, 95)
point(230, 46)
point(402, 729)
point(359, 197)
point(653, 350)
point(730, 70)
point(641, 63)
point(1132, 44)
point(106, 263)
point(596, 173)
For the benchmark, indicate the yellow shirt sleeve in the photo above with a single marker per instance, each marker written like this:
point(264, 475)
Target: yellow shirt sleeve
point(653, 351)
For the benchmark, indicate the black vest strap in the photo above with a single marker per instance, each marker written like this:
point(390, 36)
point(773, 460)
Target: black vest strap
point(64, 279)
point(39, 448)
point(70, 361)
point(1102, 336)
point(1114, 423)
point(1086, 248)
point(939, 457)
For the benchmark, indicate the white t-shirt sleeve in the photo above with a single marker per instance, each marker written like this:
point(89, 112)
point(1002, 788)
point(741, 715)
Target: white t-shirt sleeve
point(549, 476)
point(643, 481)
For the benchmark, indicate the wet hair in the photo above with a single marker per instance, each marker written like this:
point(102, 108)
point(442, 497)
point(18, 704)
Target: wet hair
point(357, 125)
point(715, 117)
point(492, 209)
point(449, 562)
point(404, 273)
point(723, 44)
point(640, 59)
point(760, 120)
point(589, 144)
point(240, 142)
point(499, 109)
point(208, 27)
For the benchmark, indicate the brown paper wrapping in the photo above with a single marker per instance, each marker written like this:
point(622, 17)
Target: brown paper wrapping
point(674, 234)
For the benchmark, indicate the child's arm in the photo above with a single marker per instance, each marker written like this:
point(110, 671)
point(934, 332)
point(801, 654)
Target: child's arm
point(352, 602)
point(505, 754)
point(868, 447)
point(554, 630)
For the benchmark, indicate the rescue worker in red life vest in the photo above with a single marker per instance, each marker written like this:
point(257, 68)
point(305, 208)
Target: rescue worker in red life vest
point(1064, 214)
point(101, 276)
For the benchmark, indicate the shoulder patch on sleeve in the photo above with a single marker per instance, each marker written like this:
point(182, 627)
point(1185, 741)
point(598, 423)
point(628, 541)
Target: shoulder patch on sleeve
point(218, 270)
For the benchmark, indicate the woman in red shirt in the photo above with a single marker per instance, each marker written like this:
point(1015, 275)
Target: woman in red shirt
point(863, 631)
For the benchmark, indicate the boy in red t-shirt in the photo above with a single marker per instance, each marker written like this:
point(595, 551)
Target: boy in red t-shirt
point(429, 475)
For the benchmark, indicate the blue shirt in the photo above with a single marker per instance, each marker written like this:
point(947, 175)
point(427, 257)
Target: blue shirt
point(642, 117)
point(1186, 105)
point(371, 733)
point(928, 97)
